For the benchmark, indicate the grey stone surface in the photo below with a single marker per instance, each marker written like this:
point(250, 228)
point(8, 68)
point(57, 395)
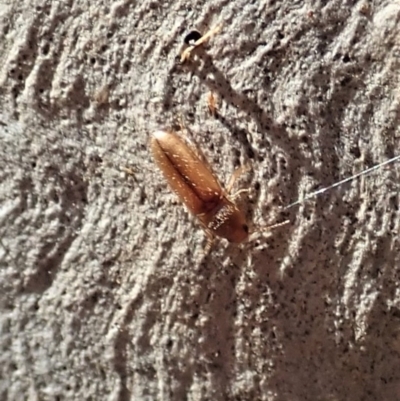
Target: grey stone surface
point(105, 291)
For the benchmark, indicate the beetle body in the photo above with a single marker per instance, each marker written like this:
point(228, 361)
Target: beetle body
point(198, 188)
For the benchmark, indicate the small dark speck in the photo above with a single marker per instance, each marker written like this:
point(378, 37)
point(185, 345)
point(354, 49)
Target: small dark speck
point(345, 81)
point(191, 37)
point(346, 58)
point(94, 298)
point(250, 153)
point(142, 198)
point(395, 312)
point(304, 138)
point(46, 49)
point(337, 56)
point(356, 152)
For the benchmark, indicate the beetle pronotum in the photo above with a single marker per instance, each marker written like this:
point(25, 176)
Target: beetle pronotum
point(198, 188)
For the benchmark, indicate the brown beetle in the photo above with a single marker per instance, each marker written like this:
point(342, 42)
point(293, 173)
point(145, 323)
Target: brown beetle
point(198, 188)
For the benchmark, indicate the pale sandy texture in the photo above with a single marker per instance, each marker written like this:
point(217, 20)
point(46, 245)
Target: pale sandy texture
point(105, 292)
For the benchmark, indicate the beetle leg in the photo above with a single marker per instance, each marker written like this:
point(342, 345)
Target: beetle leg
point(128, 170)
point(208, 35)
point(210, 241)
point(236, 174)
point(267, 228)
point(276, 225)
point(237, 193)
point(186, 53)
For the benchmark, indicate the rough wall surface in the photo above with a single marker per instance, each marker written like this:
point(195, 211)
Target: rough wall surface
point(106, 293)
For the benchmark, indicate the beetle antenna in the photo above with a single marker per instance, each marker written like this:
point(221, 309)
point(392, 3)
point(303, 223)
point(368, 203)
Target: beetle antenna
point(322, 190)
point(268, 228)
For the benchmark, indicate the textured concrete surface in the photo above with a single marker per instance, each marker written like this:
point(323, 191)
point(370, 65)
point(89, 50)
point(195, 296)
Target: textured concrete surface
point(105, 291)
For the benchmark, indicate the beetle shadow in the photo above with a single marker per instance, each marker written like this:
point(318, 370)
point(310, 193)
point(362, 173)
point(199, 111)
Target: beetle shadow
point(226, 286)
point(203, 67)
